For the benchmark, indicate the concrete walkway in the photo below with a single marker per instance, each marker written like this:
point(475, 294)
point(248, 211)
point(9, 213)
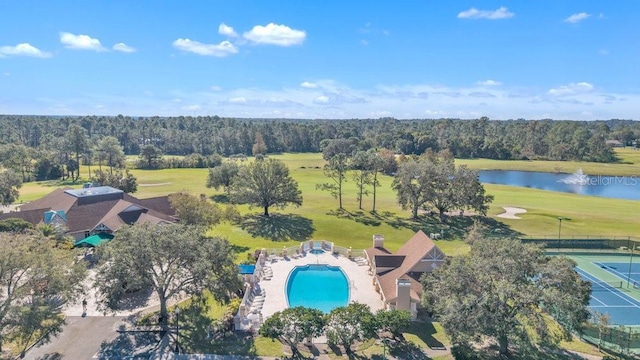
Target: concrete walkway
point(361, 287)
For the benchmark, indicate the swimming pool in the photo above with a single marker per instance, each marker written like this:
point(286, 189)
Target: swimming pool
point(316, 251)
point(321, 287)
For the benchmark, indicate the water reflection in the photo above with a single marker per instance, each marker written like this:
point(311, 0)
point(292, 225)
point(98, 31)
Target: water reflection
point(620, 187)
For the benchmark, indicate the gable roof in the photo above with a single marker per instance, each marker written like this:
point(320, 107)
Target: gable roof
point(57, 199)
point(388, 261)
point(160, 204)
point(32, 216)
point(49, 215)
point(415, 249)
point(111, 207)
point(412, 252)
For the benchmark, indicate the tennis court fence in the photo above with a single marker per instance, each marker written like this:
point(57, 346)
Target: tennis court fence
point(620, 339)
point(585, 242)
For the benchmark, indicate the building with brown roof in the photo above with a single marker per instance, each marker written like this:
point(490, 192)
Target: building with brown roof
point(397, 276)
point(89, 211)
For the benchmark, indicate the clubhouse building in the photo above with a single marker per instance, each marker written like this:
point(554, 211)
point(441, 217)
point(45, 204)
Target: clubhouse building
point(90, 211)
point(396, 277)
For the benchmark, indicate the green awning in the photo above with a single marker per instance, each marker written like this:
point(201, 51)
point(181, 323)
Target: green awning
point(93, 240)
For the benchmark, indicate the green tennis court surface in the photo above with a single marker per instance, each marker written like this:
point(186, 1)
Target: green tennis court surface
point(614, 283)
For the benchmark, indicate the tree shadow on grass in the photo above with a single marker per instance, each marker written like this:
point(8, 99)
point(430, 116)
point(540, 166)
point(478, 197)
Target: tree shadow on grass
point(221, 198)
point(196, 331)
point(359, 216)
point(407, 350)
point(234, 343)
point(238, 249)
point(455, 227)
point(425, 331)
point(278, 227)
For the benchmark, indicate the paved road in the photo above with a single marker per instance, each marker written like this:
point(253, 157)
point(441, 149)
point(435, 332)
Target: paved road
point(80, 338)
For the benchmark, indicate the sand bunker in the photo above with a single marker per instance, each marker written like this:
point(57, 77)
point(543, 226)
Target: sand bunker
point(511, 212)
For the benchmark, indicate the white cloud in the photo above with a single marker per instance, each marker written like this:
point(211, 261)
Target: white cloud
point(481, 94)
point(274, 34)
point(571, 89)
point(216, 88)
point(23, 49)
point(308, 85)
point(473, 13)
point(226, 30)
point(191, 107)
point(335, 100)
point(577, 17)
point(223, 49)
point(122, 47)
point(237, 100)
point(321, 100)
point(80, 42)
point(489, 82)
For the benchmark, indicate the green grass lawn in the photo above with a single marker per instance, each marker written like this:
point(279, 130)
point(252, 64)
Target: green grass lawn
point(589, 215)
point(628, 164)
point(319, 219)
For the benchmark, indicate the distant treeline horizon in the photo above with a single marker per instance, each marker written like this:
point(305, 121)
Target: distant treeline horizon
point(206, 135)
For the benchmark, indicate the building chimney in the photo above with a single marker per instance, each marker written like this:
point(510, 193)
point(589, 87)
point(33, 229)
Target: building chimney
point(378, 241)
point(403, 294)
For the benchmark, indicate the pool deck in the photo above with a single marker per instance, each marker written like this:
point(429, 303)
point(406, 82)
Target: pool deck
point(360, 282)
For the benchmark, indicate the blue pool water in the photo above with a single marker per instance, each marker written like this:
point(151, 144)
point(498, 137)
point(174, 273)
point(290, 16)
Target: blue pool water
point(320, 287)
point(246, 269)
point(316, 251)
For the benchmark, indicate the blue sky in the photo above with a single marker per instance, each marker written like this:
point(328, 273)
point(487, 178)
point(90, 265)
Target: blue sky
point(322, 59)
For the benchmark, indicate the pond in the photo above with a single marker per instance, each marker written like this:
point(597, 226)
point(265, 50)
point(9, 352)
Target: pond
point(619, 187)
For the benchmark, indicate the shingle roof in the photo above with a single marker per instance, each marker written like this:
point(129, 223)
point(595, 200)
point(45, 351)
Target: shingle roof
point(86, 217)
point(412, 252)
point(147, 218)
point(57, 199)
point(91, 211)
point(160, 204)
point(32, 216)
point(388, 261)
point(372, 252)
point(113, 219)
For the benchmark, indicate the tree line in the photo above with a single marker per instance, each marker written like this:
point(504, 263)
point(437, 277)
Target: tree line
point(207, 135)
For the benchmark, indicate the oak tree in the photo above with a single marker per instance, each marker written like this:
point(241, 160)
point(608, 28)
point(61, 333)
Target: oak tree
point(348, 324)
point(266, 183)
point(36, 281)
point(168, 260)
point(502, 290)
point(10, 182)
point(223, 176)
point(293, 325)
point(192, 210)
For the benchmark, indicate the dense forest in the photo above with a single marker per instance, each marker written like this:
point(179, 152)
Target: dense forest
point(65, 139)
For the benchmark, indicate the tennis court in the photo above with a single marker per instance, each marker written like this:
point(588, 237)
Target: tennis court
point(611, 293)
point(608, 298)
point(625, 271)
